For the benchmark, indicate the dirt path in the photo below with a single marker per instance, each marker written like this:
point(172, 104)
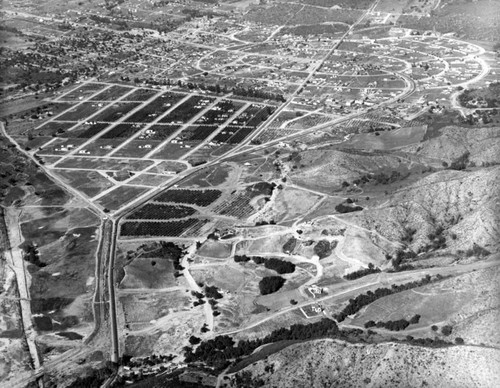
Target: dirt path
point(209, 317)
point(16, 263)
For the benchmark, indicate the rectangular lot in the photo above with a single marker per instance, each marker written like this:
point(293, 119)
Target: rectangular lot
point(220, 113)
point(89, 163)
point(115, 111)
point(123, 131)
point(137, 148)
point(53, 127)
point(173, 151)
point(120, 196)
point(60, 146)
point(81, 112)
point(82, 92)
point(185, 111)
point(141, 95)
point(155, 108)
point(112, 93)
point(90, 183)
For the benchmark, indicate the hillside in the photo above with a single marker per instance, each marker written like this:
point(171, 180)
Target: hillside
point(437, 193)
point(326, 363)
point(326, 169)
point(450, 143)
point(464, 204)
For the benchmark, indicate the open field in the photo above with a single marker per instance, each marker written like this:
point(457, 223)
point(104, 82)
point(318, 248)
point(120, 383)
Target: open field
point(120, 196)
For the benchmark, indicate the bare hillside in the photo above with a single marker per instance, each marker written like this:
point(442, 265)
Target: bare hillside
point(464, 204)
point(483, 145)
point(326, 363)
point(328, 168)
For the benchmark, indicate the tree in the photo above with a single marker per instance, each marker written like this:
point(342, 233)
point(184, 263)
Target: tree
point(446, 330)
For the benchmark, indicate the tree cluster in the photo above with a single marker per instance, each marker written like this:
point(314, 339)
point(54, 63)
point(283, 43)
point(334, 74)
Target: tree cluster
point(363, 300)
point(290, 245)
point(397, 261)
point(362, 272)
point(477, 251)
point(381, 178)
point(461, 162)
point(324, 248)
point(31, 255)
point(256, 93)
point(400, 324)
point(213, 292)
point(218, 351)
point(171, 251)
point(93, 379)
point(436, 240)
point(270, 284)
point(278, 265)
point(344, 208)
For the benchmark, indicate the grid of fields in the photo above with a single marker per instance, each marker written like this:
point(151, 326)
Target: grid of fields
point(124, 132)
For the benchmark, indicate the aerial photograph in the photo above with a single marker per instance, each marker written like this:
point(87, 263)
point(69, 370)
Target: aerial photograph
point(250, 193)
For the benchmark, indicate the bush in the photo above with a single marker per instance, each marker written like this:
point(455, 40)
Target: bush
point(446, 330)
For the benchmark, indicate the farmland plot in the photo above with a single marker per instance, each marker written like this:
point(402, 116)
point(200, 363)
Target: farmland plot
point(188, 226)
point(112, 93)
point(194, 197)
point(161, 212)
point(185, 111)
point(141, 95)
point(83, 92)
point(81, 112)
point(115, 111)
point(155, 108)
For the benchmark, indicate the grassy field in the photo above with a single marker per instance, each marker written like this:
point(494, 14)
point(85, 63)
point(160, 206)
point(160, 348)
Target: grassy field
point(215, 249)
point(151, 273)
point(120, 196)
point(208, 177)
point(153, 180)
point(104, 164)
point(82, 92)
point(90, 183)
